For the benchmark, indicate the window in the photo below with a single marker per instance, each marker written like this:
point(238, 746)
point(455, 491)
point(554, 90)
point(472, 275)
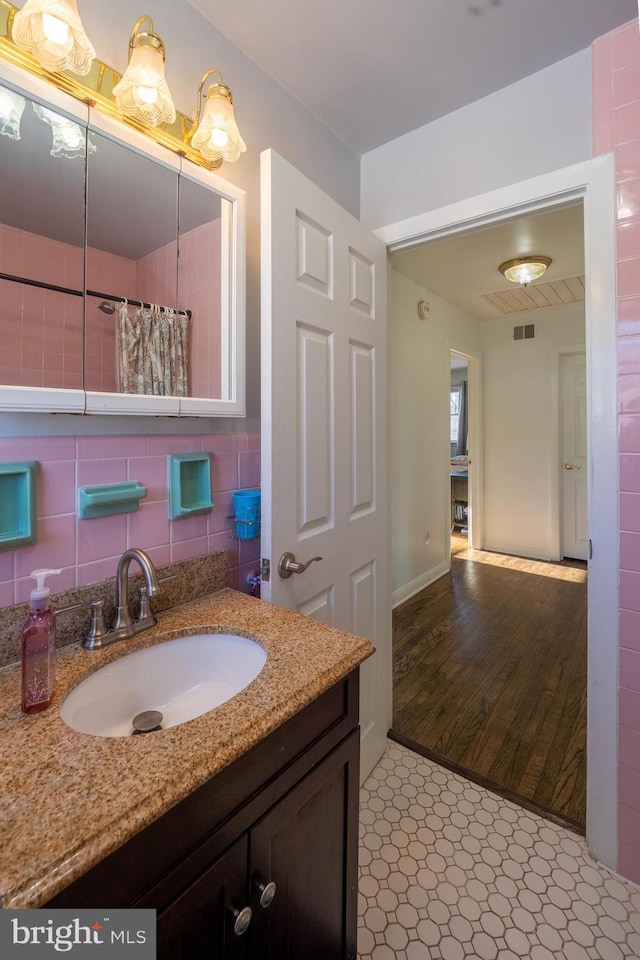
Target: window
point(456, 396)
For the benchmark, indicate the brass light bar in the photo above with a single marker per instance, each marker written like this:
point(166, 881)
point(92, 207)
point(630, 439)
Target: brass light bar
point(96, 90)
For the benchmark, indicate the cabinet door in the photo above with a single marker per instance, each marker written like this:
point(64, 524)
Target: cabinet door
point(307, 846)
point(200, 923)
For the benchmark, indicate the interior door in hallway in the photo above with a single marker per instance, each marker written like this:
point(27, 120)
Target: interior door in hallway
point(324, 496)
point(575, 533)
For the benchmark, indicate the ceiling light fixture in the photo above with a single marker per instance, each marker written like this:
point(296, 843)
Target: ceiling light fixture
point(524, 270)
point(142, 93)
point(51, 30)
point(11, 110)
point(215, 132)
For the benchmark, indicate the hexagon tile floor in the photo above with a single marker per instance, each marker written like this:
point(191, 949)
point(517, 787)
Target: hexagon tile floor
point(449, 870)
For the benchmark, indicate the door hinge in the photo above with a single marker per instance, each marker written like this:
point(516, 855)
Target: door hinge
point(590, 549)
point(265, 569)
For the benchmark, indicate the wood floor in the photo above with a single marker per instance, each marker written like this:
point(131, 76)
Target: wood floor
point(490, 673)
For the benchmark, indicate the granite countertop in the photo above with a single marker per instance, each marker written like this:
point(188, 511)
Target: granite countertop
point(69, 799)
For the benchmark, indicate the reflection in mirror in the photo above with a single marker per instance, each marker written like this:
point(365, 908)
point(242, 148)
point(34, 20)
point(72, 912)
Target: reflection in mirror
point(132, 217)
point(200, 288)
point(41, 244)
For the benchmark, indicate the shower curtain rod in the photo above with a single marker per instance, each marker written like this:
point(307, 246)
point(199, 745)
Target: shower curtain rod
point(79, 293)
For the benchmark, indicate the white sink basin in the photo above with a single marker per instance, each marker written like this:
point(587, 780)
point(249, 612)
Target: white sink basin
point(182, 678)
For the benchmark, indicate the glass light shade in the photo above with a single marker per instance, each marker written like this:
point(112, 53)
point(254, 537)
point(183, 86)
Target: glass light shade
point(51, 30)
point(524, 270)
point(69, 139)
point(217, 136)
point(142, 93)
point(11, 110)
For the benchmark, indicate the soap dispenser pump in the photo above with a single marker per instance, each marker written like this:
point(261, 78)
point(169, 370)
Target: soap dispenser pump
point(38, 647)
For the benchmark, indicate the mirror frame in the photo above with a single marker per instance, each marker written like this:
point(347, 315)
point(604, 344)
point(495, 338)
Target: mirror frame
point(58, 400)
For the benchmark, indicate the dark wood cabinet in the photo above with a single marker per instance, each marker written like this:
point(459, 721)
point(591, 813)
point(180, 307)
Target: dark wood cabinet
point(286, 813)
point(200, 922)
point(300, 845)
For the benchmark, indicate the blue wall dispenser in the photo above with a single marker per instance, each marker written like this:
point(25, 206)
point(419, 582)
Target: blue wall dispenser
point(246, 509)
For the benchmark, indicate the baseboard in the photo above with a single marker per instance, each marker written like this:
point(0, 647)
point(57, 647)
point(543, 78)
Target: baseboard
point(517, 550)
point(415, 586)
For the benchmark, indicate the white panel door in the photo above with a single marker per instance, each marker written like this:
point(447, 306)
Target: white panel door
point(324, 488)
point(575, 532)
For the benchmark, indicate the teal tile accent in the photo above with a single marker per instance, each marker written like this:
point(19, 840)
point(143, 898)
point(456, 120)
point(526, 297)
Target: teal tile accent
point(103, 500)
point(18, 515)
point(189, 479)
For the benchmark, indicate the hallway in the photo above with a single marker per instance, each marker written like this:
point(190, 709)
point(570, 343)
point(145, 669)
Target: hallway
point(490, 675)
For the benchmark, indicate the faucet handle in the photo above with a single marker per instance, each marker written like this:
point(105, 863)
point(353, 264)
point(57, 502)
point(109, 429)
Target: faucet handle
point(144, 611)
point(98, 627)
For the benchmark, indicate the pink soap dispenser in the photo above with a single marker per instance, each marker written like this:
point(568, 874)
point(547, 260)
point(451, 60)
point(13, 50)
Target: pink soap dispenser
point(38, 648)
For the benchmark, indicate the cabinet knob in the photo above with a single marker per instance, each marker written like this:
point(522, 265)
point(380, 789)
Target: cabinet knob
point(267, 892)
point(243, 919)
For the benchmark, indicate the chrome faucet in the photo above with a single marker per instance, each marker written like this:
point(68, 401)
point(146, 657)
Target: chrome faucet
point(124, 625)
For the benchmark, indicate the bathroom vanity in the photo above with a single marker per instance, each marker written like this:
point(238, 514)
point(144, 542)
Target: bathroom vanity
point(245, 818)
point(276, 832)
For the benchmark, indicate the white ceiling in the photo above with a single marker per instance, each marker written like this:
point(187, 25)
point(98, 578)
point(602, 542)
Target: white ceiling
point(463, 267)
point(376, 69)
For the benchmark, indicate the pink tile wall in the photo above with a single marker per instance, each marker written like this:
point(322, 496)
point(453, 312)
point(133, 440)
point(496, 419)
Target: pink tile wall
point(42, 330)
point(156, 275)
point(616, 105)
point(198, 291)
point(42, 337)
point(88, 550)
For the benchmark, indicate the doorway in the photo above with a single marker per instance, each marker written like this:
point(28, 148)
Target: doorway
point(497, 648)
point(591, 182)
point(461, 511)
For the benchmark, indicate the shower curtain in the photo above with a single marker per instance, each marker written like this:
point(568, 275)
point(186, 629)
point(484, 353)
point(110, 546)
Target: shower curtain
point(152, 351)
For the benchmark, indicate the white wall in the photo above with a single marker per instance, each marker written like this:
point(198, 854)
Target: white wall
point(419, 451)
point(520, 462)
point(539, 124)
point(268, 116)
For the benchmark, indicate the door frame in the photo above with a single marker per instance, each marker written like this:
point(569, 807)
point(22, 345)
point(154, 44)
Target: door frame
point(474, 437)
point(593, 182)
point(555, 435)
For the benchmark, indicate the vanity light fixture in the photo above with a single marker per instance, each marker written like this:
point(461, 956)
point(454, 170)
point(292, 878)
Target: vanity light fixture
point(142, 93)
point(11, 110)
point(215, 132)
point(524, 270)
point(51, 30)
point(68, 138)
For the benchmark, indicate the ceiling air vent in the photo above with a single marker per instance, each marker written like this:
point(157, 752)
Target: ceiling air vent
point(525, 331)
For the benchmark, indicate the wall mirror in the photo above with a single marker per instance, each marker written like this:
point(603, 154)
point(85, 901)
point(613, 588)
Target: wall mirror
point(42, 227)
point(133, 259)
